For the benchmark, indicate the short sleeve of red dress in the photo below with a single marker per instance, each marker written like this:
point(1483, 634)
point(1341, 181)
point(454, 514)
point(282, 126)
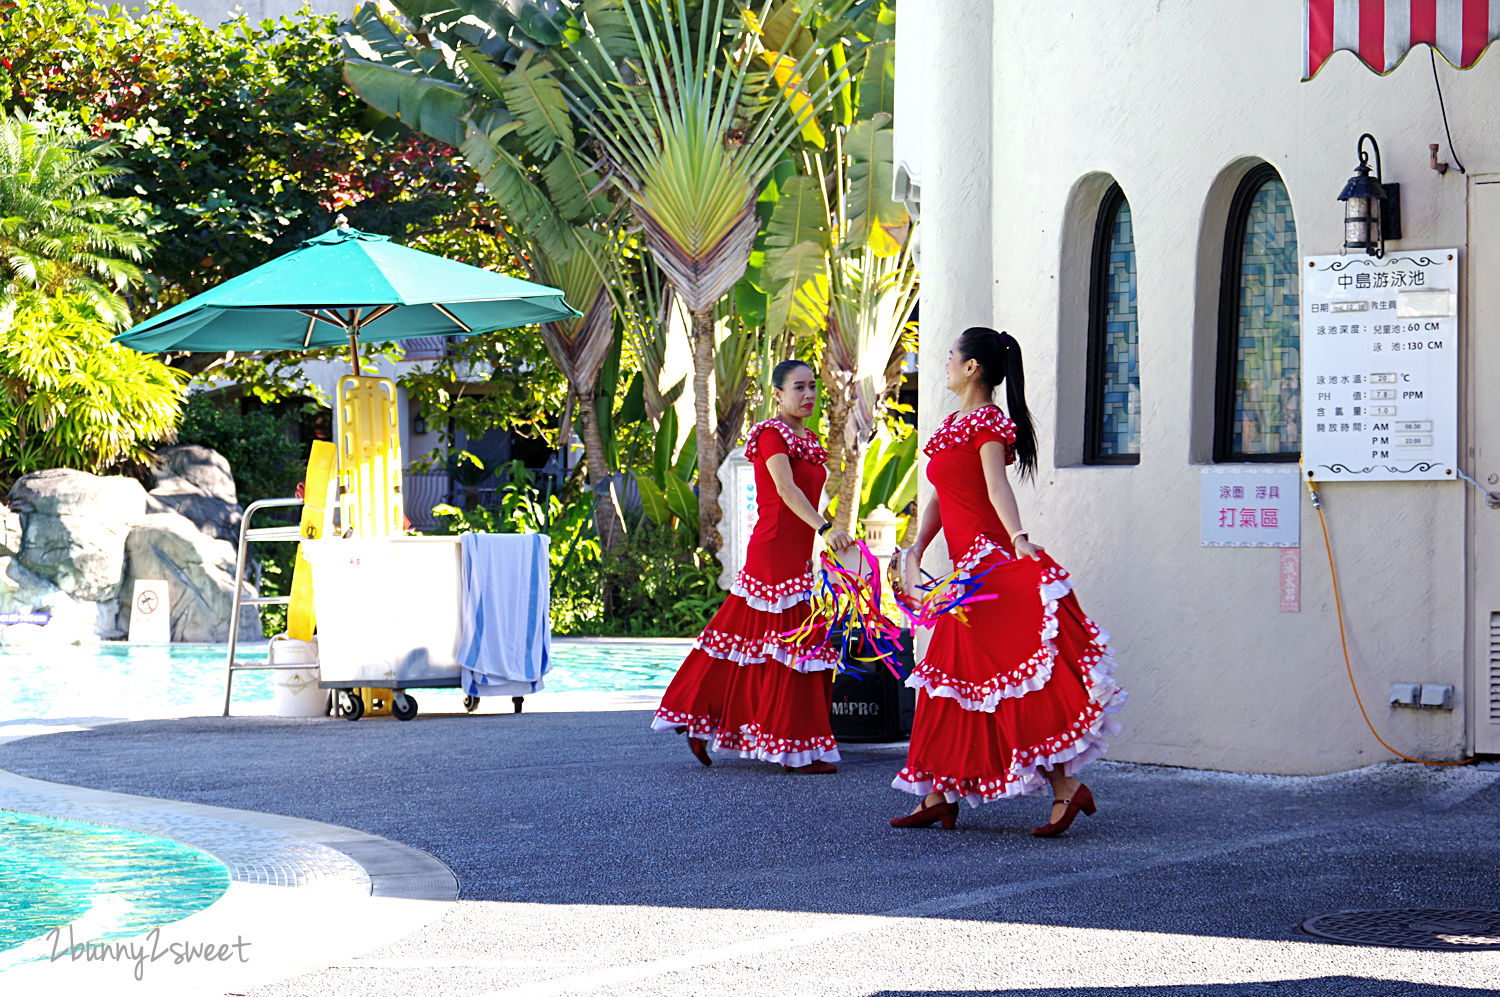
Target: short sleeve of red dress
point(764, 444)
point(996, 428)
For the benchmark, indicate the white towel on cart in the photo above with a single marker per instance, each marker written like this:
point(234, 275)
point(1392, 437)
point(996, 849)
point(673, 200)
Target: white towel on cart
point(507, 624)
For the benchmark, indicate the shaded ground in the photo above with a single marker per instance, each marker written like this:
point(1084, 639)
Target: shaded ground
point(593, 855)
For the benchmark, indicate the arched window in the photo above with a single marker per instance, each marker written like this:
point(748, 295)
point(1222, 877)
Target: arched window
point(1260, 368)
point(1112, 407)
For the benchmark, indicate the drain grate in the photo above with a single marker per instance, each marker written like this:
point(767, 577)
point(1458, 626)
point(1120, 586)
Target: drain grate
point(1434, 930)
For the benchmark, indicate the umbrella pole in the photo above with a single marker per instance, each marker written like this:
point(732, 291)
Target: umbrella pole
point(354, 348)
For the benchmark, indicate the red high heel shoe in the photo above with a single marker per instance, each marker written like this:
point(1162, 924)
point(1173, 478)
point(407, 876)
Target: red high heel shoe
point(1082, 799)
point(928, 816)
point(812, 768)
point(700, 750)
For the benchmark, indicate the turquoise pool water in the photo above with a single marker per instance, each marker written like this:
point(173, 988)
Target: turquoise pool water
point(142, 680)
point(107, 882)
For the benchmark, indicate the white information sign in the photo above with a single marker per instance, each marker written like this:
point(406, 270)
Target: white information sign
point(737, 513)
point(150, 612)
point(1251, 507)
point(1380, 366)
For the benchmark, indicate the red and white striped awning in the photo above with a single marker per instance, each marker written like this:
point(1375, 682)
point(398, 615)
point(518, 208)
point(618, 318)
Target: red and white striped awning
point(1381, 32)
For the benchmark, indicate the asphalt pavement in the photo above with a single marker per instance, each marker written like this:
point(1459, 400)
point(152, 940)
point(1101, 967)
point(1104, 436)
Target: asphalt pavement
point(594, 856)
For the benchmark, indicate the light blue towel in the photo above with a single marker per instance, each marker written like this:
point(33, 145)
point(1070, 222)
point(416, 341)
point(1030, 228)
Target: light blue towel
point(507, 624)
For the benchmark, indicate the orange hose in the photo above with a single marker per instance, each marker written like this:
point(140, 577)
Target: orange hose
point(1338, 604)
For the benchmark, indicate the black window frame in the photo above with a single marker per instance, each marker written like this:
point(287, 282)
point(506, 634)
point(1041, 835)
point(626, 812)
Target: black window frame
point(1093, 404)
point(1229, 320)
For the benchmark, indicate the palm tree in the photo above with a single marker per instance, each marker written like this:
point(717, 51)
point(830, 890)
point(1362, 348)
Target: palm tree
point(839, 262)
point(682, 111)
point(59, 232)
point(557, 225)
point(692, 135)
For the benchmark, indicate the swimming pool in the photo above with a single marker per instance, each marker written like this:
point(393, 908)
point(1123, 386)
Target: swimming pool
point(105, 882)
point(142, 681)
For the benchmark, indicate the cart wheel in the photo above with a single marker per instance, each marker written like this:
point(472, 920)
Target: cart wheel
point(516, 701)
point(403, 707)
point(471, 703)
point(351, 706)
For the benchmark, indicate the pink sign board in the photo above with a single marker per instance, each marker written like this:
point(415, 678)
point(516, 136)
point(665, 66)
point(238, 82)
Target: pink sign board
point(1291, 579)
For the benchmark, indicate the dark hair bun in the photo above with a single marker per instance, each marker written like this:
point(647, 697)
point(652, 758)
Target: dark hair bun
point(781, 370)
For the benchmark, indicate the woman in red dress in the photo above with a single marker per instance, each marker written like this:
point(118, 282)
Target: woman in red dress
point(742, 688)
point(1015, 690)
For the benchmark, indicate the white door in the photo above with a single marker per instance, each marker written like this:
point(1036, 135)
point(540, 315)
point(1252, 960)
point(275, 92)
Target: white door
point(1482, 458)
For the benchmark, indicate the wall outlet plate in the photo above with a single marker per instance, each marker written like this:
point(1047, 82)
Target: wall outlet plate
point(1405, 693)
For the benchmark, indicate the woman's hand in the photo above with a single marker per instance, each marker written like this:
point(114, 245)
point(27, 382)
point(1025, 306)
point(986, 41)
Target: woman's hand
point(838, 540)
point(1025, 548)
point(911, 572)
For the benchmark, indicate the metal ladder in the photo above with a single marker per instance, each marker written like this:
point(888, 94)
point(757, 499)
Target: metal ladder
point(247, 537)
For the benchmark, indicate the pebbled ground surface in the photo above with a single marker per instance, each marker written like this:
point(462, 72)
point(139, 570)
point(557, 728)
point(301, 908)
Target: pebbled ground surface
point(596, 857)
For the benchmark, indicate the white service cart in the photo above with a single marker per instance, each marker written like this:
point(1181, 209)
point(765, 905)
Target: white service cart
point(390, 616)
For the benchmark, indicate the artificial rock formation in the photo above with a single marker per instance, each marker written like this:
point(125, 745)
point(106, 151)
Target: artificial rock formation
point(72, 544)
point(196, 482)
point(199, 571)
point(74, 526)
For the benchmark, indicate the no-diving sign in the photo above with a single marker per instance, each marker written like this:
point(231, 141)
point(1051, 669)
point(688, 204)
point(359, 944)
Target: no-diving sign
point(150, 618)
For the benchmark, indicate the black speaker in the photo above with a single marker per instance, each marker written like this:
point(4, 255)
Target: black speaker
point(876, 706)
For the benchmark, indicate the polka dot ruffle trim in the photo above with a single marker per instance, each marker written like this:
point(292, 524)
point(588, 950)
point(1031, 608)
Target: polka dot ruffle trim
point(751, 650)
point(772, 597)
point(958, 429)
point(804, 447)
point(1085, 740)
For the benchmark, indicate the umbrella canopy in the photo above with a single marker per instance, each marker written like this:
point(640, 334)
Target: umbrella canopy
point(347, 286)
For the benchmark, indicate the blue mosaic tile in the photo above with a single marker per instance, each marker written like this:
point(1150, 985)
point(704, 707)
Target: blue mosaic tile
point(1267, 384)
point(1119, 411)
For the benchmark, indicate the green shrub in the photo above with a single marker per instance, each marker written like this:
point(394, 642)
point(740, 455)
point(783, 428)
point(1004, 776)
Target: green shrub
point(265, 463)
point(70, 398)
point(663, 588)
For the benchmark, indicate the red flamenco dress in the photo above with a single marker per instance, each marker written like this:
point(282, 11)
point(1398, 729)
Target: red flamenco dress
point(1011, 684)
point(742, 687)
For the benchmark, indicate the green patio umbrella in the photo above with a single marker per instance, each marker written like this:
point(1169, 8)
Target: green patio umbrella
point(347, 286)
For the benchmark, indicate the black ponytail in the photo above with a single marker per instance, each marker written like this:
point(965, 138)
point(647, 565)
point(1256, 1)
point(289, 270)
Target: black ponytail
point(999, 358)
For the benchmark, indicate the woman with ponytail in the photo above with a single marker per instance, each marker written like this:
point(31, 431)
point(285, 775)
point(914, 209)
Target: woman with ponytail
point(1014, 692)
point(743, 688)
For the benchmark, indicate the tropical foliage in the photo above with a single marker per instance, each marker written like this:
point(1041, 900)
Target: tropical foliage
point(573, 111)
point(703, 176)
point(241, 138)
point(70, 398)
point(60, 231)
point(836, 265)
point(68, 252)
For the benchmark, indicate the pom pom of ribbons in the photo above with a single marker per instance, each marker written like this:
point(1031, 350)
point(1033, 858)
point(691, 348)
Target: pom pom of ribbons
point(949, 594)
point(847, 613)
point(848, 610)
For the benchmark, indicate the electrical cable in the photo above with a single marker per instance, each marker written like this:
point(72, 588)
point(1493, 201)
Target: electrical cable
point(1338, 604)
point(1482, 490)
point(1451, 151)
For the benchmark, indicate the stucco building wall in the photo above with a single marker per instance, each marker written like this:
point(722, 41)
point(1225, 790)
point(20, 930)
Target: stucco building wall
point(1033, 108)
point(215, 12)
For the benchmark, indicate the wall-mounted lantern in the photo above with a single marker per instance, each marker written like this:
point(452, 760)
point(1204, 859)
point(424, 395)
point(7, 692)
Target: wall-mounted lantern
point(1372, 208)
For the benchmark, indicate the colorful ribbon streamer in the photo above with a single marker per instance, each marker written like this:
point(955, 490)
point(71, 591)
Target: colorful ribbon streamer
point(848, 611)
